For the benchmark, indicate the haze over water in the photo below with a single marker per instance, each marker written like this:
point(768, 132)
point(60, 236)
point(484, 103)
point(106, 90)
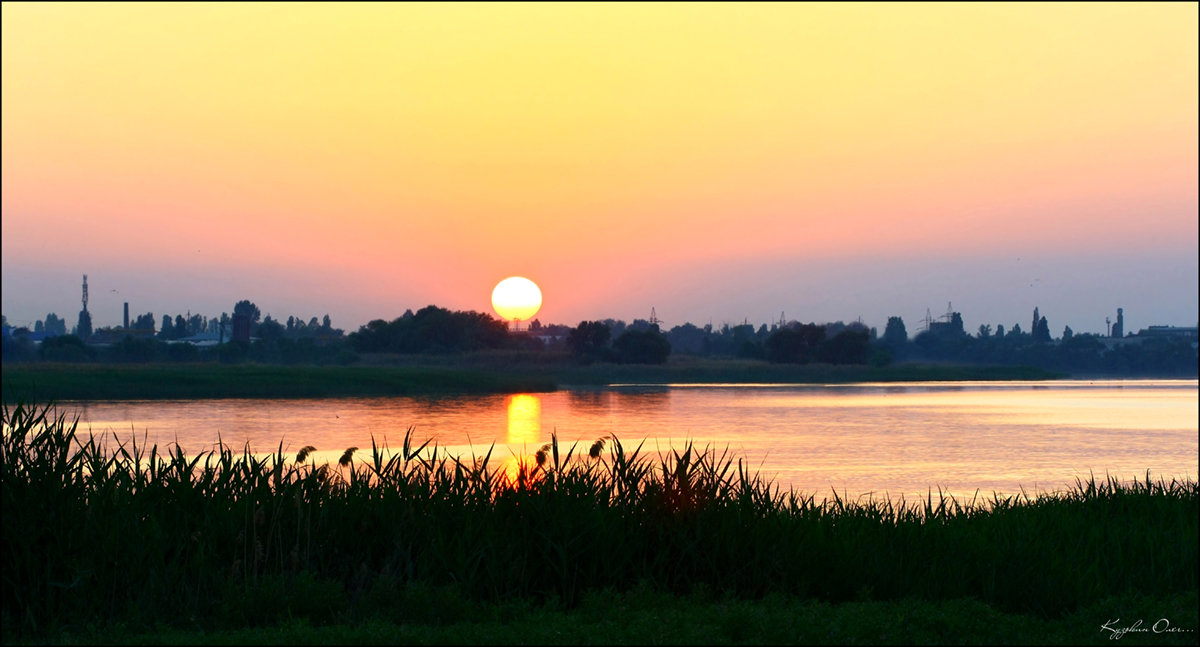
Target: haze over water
point(899, 439)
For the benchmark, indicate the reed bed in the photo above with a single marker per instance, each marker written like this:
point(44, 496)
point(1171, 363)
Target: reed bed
point(95, 534)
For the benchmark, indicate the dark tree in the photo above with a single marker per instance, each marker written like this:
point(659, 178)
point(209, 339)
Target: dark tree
point(589, 339)
point(687, 338)
point(642, 347)
point(167, 329)
point(269, 330)
point(894, 334)
point(798, 344)
point(430, 330)
point(847, 347)
point(956, 324)
point(1042, 332)
point(246, 307)
point(196, 324)
point(143, 322)
point(55, 325)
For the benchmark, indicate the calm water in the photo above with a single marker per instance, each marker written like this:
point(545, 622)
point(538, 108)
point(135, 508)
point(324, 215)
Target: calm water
point(858, 439)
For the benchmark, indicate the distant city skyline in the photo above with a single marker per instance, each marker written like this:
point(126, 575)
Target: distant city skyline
point(717, 162)
point(975, 308)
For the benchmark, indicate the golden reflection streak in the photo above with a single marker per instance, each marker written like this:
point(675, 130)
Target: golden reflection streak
point(524, 430)
point(524, 419)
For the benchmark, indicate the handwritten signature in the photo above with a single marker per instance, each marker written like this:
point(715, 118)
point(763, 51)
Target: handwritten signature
point(1160, 626)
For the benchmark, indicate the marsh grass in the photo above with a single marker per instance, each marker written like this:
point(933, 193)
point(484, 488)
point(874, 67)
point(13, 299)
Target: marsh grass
point(97, 533)
point(481, 372)
point(197, 381)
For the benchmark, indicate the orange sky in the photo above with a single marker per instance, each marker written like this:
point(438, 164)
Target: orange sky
point(715, 161)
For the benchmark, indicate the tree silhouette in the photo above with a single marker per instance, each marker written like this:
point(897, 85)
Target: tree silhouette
point(1041, 333)
point(167, 329)
point(589, 339)
point(846, 347)
point(642, 347)
point(894, 334)
point(247, 308)
point(798, 344)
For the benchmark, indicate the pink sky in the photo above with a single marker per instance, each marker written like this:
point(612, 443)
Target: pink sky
point(715, 162)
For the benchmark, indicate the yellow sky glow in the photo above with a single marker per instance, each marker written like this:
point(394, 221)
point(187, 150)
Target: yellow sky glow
point(572, 142)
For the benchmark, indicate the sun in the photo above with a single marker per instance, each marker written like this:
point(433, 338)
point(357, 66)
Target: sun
point(516, 298)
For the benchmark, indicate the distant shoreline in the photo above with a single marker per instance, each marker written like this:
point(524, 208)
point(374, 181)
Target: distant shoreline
point(446, 375)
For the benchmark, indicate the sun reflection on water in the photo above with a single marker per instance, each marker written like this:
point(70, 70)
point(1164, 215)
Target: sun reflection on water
point(524, 432)
point(524, 419)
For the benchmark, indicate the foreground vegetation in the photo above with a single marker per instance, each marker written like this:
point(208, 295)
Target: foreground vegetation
point(642, 616)
point(98, 539)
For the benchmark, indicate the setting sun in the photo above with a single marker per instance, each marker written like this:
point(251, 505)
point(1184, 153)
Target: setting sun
point(516, 298)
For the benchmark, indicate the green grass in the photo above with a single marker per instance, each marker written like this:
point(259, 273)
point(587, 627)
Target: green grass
point(96, 538)
point(193, 381)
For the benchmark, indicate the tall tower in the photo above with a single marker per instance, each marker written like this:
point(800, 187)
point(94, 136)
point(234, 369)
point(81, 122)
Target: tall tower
point(84, 327)
point(1118, 329)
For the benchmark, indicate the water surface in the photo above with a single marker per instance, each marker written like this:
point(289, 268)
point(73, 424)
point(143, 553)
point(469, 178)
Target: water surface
point(895, 438)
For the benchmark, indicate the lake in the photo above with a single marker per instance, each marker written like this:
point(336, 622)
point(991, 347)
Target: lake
point(858, 439)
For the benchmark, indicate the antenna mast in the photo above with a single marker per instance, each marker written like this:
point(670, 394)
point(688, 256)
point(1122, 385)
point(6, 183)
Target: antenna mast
point(85, 292)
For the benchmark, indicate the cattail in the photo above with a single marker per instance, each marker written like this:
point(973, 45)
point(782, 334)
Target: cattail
point(304, 452)
point(540, 456)
point(597, 447)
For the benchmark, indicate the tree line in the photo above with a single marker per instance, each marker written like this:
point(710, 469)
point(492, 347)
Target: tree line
point(436, 330)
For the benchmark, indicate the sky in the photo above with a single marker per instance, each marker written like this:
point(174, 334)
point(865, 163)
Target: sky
point(716, 162)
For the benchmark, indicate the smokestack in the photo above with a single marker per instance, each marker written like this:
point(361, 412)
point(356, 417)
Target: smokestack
point(126, 315)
